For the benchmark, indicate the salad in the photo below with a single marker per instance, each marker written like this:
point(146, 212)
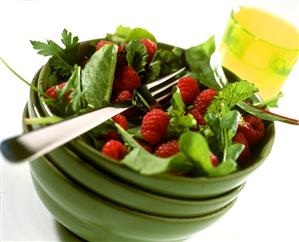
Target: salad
point(207, 129)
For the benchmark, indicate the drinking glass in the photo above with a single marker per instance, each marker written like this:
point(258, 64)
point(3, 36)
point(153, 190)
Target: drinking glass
point(259, 47)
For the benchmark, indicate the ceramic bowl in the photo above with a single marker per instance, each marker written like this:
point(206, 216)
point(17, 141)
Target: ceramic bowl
point(95, 218)
point(165, 184)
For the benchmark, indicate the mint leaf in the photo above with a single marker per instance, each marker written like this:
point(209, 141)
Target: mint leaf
point(98, 76)
point(136, 55)
point(198, 59)
point(231, 95)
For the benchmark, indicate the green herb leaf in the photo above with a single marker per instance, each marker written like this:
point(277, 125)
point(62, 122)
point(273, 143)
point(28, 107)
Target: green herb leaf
point(68, 41)
point(42, 120)
point(195, 146)
point(136, 55)
point(198, 59)
point(49, 48)
point(271, 102)
point(231, 95)
point(170, 60)
point(179, 121)
point(140, 33)
point(98, 76)
point(121, 34)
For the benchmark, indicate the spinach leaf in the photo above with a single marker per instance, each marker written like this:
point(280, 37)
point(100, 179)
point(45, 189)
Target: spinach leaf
point(140, 33)
point(136, 55)
point(140, 160)
point(198, 59)
point(121, 34)
point(170, 60)
point(98, 76)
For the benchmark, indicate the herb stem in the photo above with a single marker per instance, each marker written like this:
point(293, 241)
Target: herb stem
point(19, 76)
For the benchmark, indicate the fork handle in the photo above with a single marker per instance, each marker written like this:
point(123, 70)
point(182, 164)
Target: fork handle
point(34, 144)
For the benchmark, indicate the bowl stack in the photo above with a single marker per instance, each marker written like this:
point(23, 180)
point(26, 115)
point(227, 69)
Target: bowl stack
point(101, 200)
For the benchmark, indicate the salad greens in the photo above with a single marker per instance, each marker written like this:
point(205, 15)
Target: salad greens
point(90, 85)
point(98, 76)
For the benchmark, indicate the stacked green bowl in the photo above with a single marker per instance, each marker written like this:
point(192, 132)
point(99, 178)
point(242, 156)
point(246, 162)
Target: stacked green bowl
point(101, 200)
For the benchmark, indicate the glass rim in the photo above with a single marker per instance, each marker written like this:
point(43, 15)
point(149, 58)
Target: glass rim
point(238, 8)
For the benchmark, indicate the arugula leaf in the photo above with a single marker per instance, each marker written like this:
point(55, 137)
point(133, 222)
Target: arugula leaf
point(42, 120)
point(153, 70)
point(136, 55)
point(195, 146)
point(98, 76)
point(271, 102)
point(231, 95)
point(198, 59)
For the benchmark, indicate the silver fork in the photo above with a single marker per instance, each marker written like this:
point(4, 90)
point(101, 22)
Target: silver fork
point(39, 142)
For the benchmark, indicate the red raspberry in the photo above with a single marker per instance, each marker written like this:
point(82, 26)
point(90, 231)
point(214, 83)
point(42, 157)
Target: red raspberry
point(253, 129)
point(52, 93)
point(239, 138)
point(114, 149)
point(154, 125)
point(121, 120)
point(189, 89)
point(126, 79)
point(167, 149)
point(123, 96)
point(151, 48)
point(214, 160)
point(203, 100)
point(198, 117)
point(112, 134)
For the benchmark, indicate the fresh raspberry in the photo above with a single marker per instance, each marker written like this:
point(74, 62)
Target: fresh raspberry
point(167, 149)
point(203, 100)
point(114, 149)
point(112, 134)
point(198, 116)
point(189, 89)
point(126, 79)
point(151, 48)
point(123, 96)
point(253, 129)
point(121, 120)
point(154, 125)
point(239, 138)
point(52, 92)
point(214, 160)
point(101, 43)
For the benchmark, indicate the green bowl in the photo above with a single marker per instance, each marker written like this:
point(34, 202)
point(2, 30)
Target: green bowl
point(95, 218)
point(166, 185)
point(127, 195)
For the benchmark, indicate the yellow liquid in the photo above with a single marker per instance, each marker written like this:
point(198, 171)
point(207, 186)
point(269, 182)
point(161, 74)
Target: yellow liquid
point(260, 48)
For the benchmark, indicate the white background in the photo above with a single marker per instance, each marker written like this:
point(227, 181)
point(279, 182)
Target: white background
point(268, 207)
